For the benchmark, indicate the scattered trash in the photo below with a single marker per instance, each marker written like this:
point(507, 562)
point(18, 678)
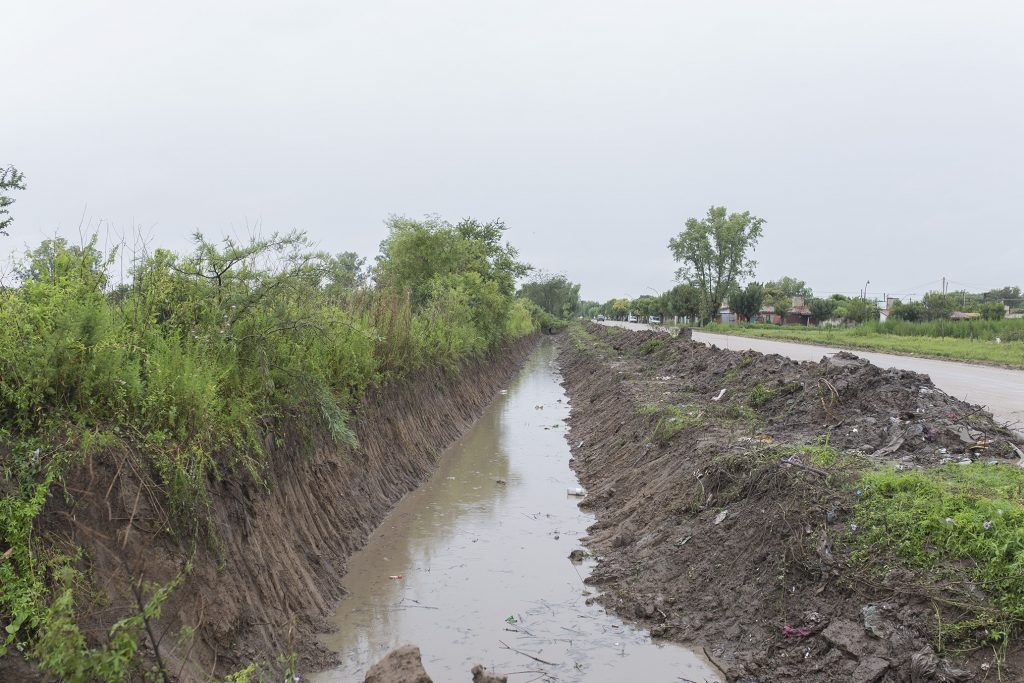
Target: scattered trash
point(578, 491)
point(500, 482)
point(510, 619)
point(503, 391)
point(579, 445)
point(987, 524)
point(720, 395)
point(577, 556)
point(965, 461)
point(396, 577)
point(720, 517)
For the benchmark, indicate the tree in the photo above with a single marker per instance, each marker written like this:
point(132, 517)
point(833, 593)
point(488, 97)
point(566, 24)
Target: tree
point(911, 312)
point(713, 253)
point(415, 252)
point(10, 179)
point(554, 293)
point(859, 310)
point(645, 305)
point(618, 308)
point(683, 300)
point(992, 310)
point(822, 309)
point(938, 306)
point(746, 303)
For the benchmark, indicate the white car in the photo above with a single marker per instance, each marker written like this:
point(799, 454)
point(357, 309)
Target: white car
point(632, 318)
point(654, 320)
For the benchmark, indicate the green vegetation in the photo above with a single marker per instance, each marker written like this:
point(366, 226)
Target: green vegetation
point(713, 255)
point(193, 365)
point(553, 293)
point(761, 394)
point(964, 524)
point(671, 419)
point(897, 337)
point(651, 345)
point(10, 179)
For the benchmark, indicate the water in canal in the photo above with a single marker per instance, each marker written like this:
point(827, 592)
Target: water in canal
point(475, 562)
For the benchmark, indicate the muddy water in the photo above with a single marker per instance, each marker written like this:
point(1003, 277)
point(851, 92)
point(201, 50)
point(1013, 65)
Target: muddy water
point(468, 567)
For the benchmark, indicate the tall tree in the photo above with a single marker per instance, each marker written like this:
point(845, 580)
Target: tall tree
point(10, 179)
point(713, 253)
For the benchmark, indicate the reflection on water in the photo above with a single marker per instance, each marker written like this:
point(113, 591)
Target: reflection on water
point(473, 565)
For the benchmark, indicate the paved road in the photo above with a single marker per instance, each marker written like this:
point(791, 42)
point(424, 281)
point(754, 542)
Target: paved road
point(998, 389)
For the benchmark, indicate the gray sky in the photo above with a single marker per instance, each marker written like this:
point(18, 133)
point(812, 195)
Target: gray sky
point(881, 140)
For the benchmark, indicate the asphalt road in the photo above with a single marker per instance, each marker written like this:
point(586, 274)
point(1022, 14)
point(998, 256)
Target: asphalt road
point(999, 390)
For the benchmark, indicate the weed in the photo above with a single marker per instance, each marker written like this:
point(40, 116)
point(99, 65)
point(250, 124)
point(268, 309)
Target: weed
point(962, 523)
point(651, 345)
point(760, 394)
point(670, 420)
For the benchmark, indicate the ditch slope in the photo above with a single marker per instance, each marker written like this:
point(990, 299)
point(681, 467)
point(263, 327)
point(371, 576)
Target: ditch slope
point(742, 505)
point(261, 590)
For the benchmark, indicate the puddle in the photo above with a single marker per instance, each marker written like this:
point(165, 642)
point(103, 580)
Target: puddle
point(466, 567)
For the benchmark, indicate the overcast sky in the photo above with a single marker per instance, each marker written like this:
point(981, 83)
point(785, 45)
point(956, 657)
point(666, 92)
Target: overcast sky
point(880, 140)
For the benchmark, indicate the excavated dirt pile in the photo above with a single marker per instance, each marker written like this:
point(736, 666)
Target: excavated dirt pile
point(716, 526)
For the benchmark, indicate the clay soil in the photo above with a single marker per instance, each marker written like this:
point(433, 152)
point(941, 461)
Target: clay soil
point(721, 535)
point(260, 586)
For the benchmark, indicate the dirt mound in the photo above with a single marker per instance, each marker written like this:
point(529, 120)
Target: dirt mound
point(401, 665)
point(405, 665)
point(263, 588)
point(718, 525)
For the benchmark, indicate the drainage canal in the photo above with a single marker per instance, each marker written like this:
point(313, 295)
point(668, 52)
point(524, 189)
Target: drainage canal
point(473, 566)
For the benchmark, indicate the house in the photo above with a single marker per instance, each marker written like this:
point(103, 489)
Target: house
point(768, 315)
point(798, 313)
point(960, 315)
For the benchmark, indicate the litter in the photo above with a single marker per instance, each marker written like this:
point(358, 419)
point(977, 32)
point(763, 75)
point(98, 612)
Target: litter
point(396, 577)
point(578, 491)
point(720, 517)
point(720, 395)
point(500, 482)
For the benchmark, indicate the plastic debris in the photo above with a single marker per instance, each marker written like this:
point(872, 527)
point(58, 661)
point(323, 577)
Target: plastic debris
point(720, 395)
point(578, 491)
point(720, 517)
point(396, 577)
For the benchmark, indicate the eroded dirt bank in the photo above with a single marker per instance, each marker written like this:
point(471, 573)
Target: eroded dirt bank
point(718, 525)
point(266, 586)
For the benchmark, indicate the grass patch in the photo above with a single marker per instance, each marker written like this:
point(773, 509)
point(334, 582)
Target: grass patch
point(1010, 352)
point(761, 394)
point(670, 420)
point(650, 346)
point(963, 524)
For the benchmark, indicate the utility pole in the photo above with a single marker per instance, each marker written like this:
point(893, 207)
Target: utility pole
point(943, 284)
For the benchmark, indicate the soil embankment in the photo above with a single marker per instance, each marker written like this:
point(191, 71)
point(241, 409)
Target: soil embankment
point(265, 587)
point(725, 489)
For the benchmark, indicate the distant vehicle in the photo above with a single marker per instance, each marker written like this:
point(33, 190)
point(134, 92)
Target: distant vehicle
point(600, 318)
point(633, 319)
point(654, 320)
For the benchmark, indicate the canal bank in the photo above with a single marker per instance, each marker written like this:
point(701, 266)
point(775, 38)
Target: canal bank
point(473, 566)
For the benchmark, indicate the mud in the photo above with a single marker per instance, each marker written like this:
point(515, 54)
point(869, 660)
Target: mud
point(704, 544)
point(265, 586)
point(475, 567)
